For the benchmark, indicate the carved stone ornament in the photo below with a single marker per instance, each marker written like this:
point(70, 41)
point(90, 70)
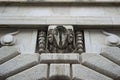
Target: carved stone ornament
point(60, 39)
point(8, 39)
point(111, 39)
point(42, 41)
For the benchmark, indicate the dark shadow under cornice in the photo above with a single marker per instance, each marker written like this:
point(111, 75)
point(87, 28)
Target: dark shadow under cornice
point(45, 26)
point(64, 3)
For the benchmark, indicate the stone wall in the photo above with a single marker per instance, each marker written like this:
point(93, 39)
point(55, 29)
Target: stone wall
point(70, 66)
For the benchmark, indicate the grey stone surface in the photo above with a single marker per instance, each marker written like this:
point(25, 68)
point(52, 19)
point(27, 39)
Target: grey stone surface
point(63, 44)
point(62, 70)
point(101, 64)
point(8, 52)
point(60, 15)
point(22, 42)
point(60, 58)
point(112, 53)
point(81, 72)
point(17, 64)
point(38, 72)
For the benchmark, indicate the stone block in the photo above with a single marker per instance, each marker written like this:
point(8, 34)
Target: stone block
point(21, 41)
point(81, 72)
point(7, 52)
point(18, 64)
point(60, 58)
point(38, 72)
point(101, 64)
point(112, 53)
point(59, 71)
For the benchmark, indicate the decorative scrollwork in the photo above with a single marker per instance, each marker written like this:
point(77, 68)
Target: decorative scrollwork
point(79, 42)
point(42, 41)
point(111, 39)
point(8, 39)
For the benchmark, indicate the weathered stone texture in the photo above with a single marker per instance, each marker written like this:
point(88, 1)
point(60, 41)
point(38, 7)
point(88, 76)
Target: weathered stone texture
point(7, 52)
point(81, 72)
point(62, 0)
point(38, 72)
point(112, 53)
point(101, 64)
point(17, 64)
point(60, 15)
point(62, 70)
point(60, 58)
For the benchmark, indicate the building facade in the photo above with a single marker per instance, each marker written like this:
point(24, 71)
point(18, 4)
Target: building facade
point(59, 40)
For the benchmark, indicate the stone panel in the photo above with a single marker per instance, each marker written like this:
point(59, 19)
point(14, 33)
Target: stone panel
point(18, 64)
point(112, 53)
point(7, 52)
point(59, 15)
point(81, 72)
point(20, 38)
point(60, 58)
point(59, 71)
point(38, 72)
point(101, 64)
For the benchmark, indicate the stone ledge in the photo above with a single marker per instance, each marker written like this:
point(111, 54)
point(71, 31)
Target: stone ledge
point(38, 72)
point(101, 65)
point(81, 72)
point(60, 58)
point(7, 53)
point(59, 71)
point(112, 53)
point(47, 20)
point(18, 64)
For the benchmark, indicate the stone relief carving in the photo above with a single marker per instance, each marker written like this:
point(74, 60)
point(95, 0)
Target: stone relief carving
point(42, 41)
point(79, 42)
point(111, 39)
point(8, 39)
point(60, 39)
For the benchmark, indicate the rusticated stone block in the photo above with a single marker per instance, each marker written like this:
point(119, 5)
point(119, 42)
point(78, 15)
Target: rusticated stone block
point(60, 58)
point(7, 52)
point(112, 53)
point(38, 72)
point(59, 71)
point(81, 72)
point(101, 64)
point(17, 64)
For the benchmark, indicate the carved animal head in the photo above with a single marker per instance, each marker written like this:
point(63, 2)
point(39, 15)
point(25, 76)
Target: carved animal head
point(59, 36)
